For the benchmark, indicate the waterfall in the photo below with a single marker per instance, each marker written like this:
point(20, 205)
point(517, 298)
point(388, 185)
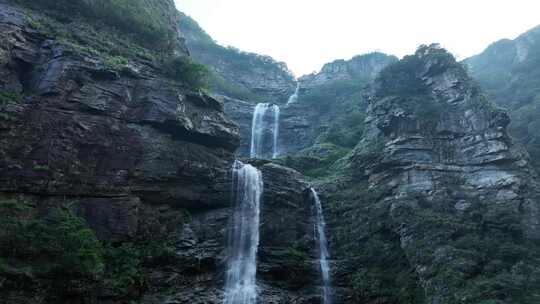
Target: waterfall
point(240, 281)
point(294, 97)
point(323, 249)
point(259, 125)
point(275, 131)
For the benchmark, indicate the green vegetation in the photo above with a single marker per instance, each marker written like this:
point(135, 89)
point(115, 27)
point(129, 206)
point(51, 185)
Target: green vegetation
point(380, 272)
point(191, 27)
point(232, 65)
point(512, 81)
point(93, 39)
point(10, 97)
point(325, 97)
point(89, 35)
point(116, 62)
point(227, 88)
point(317, 161)
point(402, 79)
point(236, 62)
point(54, 246)
point(182, 68)
point(61, 243)
point(402, 82)
point(345, 131)
point(294, 254)
point(342, 102)
point(481, 254)
point(123, 271)
point(142, 18)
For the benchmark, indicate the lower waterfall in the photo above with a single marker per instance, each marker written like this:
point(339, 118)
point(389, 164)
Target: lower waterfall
point(323, 249)
point(240, 281)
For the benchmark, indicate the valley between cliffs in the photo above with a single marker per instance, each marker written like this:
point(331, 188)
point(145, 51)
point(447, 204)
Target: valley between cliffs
point(120, 126)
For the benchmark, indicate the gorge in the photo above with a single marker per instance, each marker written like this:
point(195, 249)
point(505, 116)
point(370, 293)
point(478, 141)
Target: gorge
point(142, 162)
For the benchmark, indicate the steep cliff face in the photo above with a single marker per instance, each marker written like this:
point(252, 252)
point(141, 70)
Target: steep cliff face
point(240, 75)
point(331, 103)
point(437, 204)
point(286, 268)
point(129, 149)
point(508, 71)
point(96, 133)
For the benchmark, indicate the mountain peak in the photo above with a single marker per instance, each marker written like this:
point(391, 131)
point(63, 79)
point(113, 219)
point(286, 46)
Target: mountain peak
point(431, 71)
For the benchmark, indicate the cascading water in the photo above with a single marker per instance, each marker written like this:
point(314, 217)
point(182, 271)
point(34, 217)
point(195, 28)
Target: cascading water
point(294, 97)
point(240, 284)
point(323, 249)
point(259, 125)
point(275, 132)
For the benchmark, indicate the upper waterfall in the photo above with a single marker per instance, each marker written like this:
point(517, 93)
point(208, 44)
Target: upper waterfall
point(265, 120)
point(294, 97)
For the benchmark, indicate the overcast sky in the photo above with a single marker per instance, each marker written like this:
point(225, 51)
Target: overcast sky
point(308, 33)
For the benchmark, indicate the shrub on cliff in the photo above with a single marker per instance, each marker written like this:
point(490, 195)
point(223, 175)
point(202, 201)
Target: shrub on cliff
point(182, 68)
point(59, 243)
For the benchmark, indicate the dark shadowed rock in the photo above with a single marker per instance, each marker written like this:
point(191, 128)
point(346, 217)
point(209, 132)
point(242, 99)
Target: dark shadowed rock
point(130, 149)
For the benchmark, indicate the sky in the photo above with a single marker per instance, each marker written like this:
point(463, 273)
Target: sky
point(305, 34)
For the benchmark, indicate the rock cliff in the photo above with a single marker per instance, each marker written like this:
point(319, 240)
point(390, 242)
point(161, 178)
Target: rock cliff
point(359, 68)
point(327, 100)
point(128, 148)
point(237, 74)
point(115, 168)
point(437, 204)
point(331, 104)
point(108, 139)
point(329, 107)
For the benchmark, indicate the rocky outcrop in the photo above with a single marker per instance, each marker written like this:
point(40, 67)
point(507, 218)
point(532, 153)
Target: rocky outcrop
point(359, 68)
point(83, 129)
point(440, 189)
